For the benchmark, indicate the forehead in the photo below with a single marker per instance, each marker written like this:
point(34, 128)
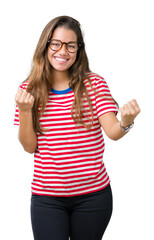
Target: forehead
point(64, 34)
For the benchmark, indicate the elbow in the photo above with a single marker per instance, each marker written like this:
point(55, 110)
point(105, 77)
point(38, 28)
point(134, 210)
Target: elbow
point(29, 149)
point(114, 137)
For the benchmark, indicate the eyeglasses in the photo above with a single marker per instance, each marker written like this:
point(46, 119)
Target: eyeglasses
point(56, 45)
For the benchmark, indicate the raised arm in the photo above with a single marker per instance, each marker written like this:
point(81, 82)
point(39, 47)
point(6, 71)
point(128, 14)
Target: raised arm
point(111, 125)
point(27, 135)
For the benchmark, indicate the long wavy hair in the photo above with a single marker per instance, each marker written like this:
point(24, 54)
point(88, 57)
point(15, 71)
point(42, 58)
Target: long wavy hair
point(40, 77)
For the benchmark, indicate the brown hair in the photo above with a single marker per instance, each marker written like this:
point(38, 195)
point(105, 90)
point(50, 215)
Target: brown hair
point(40, 79)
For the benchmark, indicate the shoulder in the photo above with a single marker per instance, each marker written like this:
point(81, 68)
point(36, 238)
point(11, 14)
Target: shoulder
point(24, 85)
point(95, 80)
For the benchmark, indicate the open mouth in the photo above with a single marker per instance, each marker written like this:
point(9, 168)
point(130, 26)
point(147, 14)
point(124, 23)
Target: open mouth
point(61, 60)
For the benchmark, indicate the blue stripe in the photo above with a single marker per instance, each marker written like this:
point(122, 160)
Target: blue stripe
point(61, 91)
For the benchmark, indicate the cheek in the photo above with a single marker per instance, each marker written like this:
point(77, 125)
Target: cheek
point(74, 58)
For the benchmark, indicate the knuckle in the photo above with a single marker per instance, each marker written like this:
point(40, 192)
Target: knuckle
point(18, 99)
point(26, 101)
point(133, 112)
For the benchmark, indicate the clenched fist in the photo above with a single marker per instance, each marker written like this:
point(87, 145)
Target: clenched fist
point(129, 112)
point(24, 100)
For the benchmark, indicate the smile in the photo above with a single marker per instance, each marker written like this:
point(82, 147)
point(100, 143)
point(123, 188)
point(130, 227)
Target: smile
point(61, 60)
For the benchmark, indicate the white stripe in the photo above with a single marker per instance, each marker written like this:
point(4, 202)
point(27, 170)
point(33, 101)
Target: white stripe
point(73, 188)
point(61, 120)
point(58, 171)
point(81, 179)
point(73, 131)
point(67, 160)
point(65, 143)
point(70, 165)
point(69, 150)
point(93, 174)
point(79, 153)
point(71, 154)
point(70, 138)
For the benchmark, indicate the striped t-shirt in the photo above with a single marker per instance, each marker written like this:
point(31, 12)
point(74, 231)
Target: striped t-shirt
point(69, 158)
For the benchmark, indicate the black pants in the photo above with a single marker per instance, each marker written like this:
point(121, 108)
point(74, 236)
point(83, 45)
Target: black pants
point(82, 217)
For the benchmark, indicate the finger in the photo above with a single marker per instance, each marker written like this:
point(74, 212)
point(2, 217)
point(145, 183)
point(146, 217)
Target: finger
point(21, 96)
point(18, 94)
point(136, 106)
point(29, 99)
point(122, 111)
point(25, 96)
point(125, 110)
point(131, 108)
point(32, 98)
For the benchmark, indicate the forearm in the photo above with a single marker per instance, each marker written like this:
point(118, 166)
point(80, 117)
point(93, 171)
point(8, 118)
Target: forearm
point(111, 124)
point(115, 132)
point(27, 135)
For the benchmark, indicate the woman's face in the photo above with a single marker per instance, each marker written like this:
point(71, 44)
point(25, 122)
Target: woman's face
point(62, 60)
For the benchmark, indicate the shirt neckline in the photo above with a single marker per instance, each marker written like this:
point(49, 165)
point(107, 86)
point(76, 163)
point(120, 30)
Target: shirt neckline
point(61, 91)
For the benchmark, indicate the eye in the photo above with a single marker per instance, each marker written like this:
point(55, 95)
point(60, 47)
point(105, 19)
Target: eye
point(55, 44)
point(71, 46)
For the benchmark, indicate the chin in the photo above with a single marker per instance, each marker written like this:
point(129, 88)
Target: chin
point(61, 69)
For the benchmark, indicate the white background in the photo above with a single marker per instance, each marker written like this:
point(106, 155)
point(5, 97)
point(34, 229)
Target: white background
point(119, 38)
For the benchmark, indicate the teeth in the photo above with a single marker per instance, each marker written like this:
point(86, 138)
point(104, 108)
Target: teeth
point(61, 59)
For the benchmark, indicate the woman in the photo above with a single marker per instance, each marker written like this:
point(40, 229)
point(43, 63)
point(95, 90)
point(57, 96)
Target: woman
point(61, 108)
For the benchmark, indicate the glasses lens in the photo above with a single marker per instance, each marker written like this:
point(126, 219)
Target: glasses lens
point(55, 45)
point(72, 47)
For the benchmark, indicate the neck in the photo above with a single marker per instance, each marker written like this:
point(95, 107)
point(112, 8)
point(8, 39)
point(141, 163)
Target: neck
point(60, 80)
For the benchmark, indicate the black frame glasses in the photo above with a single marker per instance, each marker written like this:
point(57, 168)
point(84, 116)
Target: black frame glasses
point(56, 45)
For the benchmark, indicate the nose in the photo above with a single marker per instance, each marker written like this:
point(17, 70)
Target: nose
point(63, 49)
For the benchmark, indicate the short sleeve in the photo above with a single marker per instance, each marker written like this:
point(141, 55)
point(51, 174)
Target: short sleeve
point(23, 86)
point(16, 117)
point(104, 100)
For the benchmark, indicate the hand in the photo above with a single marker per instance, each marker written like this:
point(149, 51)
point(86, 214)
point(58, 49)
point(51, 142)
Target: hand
point(129, 112)
point(24, 101)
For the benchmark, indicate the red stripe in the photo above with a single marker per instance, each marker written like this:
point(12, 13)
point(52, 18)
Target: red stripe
point(67, 167)
point(69, 142)
point(70, 157)
point(36, 174)
point(62, 163)
point(91, 134)
point(71, 186)
point(68, 182)
point(59, 153)
point(81, 149)
point(71, 147)
point(72, 191)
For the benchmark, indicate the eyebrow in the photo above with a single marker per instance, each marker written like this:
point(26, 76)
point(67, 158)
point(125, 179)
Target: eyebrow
point(64, 42)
